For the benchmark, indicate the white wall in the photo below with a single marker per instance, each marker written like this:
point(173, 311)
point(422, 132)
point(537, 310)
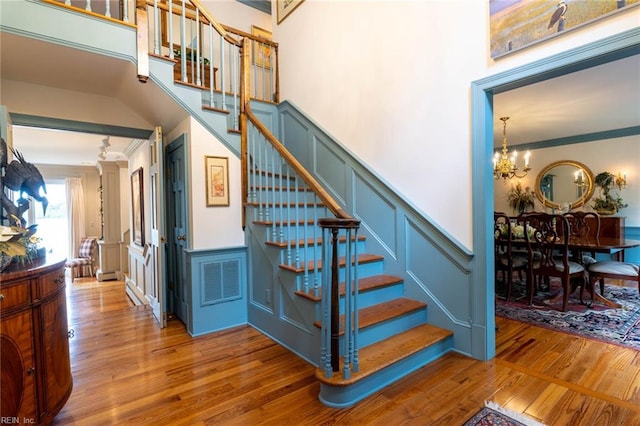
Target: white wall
point(139, 157)
point(237, 15)
point(125, 198)
point(620, 155)
point(391, 79)
point(210, 227)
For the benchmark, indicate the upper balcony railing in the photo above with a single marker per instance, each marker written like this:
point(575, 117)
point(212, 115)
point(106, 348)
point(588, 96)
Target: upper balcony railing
point(184, 31)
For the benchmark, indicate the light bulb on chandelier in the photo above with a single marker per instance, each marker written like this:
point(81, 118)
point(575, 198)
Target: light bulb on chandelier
point(505, 166)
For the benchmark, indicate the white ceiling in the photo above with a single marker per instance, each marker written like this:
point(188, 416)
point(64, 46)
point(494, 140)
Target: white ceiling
point(598, 99)
point(601, 98)
point(51, 65)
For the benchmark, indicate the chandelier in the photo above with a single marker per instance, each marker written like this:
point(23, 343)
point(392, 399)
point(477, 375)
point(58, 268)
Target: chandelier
point(504, 166)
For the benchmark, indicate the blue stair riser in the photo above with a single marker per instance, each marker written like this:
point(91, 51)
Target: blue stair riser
point(383, 330)
point(312, 252)
point(346, 396)
point(280, 194)
point(376, 296)
point(364, 270)
point(287, 214)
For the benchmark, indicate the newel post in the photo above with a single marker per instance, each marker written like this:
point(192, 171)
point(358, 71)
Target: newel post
point(330, 345)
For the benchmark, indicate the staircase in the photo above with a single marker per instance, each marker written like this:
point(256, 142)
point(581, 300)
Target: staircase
point(394, 336)
point(285, 246)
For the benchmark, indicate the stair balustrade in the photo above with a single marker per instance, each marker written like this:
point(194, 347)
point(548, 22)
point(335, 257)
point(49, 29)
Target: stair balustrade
point(294, 205)
point(284, 193)
point(207, 53)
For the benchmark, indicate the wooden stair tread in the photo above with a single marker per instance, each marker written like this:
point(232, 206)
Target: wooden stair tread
point(380, 355)
point(362, 258)
point(382, 312)
point(310, 242)
point(285, 223)
point(364, 284)
point(284, 205)
point(279, 188)
point(214, 109)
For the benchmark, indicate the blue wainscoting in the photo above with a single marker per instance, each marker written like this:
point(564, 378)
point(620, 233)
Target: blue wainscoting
point(633, 254)
point(435, 267)
point(217, 287)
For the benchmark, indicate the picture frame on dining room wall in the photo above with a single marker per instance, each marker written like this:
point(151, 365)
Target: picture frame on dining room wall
point(285, 7)
point(516, 24)
point(217, 180)
point(137, 207)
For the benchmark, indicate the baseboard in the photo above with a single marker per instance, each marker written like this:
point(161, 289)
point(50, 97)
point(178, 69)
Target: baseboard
point(136, 297)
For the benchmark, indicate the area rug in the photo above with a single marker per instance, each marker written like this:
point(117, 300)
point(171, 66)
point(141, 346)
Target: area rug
point(619, 326)
point(494, 414)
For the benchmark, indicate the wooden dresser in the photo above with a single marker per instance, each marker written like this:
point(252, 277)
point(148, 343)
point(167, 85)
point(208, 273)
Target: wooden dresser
point(612, 226)
point(34, 342)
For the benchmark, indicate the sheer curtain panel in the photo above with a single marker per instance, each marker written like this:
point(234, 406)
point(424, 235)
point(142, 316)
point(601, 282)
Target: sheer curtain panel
point(75, 207)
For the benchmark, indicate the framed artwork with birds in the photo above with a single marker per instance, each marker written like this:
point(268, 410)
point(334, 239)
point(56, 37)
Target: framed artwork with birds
point(515, 24)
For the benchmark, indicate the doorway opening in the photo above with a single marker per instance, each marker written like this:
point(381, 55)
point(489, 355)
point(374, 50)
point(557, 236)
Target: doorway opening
point(52, 227)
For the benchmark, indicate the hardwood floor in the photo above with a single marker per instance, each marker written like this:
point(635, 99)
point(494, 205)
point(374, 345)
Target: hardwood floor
point(127, 371)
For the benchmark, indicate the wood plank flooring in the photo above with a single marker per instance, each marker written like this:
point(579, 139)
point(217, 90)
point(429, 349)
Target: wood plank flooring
point(127, 371)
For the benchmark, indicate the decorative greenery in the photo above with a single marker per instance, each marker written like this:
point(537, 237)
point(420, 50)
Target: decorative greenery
point(18, 243)
point(607, 202)
point(517, 231)
point(520, 200)
point(190, 54)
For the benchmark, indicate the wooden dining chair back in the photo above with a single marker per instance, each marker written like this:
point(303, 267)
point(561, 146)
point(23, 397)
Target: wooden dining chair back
point(507, 261)
point(547, 237)
point(583, 225)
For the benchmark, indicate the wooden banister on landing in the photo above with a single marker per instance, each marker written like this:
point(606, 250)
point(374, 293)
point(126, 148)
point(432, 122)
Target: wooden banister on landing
point(311, 182)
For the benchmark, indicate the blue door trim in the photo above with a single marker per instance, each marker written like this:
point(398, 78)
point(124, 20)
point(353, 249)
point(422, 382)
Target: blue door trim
point(602, 51)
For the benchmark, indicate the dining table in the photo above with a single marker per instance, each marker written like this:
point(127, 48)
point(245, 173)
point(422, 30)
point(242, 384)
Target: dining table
point(611, 245)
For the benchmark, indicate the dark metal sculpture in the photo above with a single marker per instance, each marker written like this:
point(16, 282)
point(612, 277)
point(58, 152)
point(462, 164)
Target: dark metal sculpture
point(23, 177)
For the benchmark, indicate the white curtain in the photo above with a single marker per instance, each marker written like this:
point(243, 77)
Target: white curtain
point(75, 207)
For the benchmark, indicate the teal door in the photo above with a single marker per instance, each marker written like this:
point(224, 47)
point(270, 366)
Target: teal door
point(178, 237)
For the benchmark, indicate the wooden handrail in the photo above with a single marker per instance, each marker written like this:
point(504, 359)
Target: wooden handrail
point(313, 184)
point(251, 36)
point(206, 16)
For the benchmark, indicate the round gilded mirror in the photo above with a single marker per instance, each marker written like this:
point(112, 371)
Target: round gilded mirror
point(563, 182)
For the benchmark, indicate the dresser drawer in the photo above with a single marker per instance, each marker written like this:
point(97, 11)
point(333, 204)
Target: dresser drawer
point(14, 296)
point(50, 283)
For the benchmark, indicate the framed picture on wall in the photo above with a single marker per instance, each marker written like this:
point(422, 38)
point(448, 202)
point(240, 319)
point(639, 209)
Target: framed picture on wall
point(285, 7)
point(217, 180)
point(261, 53)
point(137, 207)
point(514, 25)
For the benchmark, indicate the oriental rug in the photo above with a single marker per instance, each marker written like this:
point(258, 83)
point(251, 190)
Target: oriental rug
point(620, 326)
point(494, 414)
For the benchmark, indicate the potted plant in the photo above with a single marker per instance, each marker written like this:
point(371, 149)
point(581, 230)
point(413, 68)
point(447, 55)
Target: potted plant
point(190, 56)
point(606, 203)
point(520, 200)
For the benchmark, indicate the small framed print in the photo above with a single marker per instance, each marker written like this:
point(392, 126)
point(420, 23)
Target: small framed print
point(217, 180)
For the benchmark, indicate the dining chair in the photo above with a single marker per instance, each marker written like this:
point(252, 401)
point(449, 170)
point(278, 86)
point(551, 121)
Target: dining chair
point(614, 269)
point(583, 225)
point(547, 237)
point(507, 260)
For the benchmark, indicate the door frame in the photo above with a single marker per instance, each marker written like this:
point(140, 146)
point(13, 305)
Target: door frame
point(596, 53)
